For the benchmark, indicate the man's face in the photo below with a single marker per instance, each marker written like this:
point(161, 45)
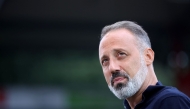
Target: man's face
point(121, 60)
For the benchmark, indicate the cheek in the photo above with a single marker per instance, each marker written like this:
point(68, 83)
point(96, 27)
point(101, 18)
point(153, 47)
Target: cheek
point(132, 67)
point(107, 77)
point(136, 66)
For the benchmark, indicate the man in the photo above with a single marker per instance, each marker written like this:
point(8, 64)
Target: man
point(127, 59)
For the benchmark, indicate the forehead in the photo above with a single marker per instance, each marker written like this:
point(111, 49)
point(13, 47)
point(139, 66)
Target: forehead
point(115, 39)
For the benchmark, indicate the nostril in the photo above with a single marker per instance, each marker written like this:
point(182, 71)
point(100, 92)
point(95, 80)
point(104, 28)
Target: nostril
point(115, 73)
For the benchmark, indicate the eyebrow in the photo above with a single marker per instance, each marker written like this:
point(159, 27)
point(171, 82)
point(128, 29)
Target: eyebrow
point(118, 49)
point(104, 56)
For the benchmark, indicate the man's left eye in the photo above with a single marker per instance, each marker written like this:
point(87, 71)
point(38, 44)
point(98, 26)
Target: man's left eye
point(121, 53)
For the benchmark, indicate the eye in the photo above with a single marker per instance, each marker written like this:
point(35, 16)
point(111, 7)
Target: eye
point(121, 54)
point(104, 62)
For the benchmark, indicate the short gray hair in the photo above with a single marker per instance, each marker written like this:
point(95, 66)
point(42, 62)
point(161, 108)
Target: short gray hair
point(143, 40)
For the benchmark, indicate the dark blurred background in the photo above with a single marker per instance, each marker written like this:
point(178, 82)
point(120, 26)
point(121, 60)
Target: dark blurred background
point(49, 49)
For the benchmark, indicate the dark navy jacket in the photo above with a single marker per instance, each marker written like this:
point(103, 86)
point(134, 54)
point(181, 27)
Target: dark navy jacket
point(162, 97)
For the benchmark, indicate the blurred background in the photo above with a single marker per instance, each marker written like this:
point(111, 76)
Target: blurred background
point(49, 49)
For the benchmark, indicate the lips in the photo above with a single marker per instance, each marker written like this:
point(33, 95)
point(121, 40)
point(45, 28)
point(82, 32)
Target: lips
point(118, 79)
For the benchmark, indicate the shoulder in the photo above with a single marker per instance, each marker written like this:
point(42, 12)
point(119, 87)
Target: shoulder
point(169, 91)
point(175, 102)
point(172, 98)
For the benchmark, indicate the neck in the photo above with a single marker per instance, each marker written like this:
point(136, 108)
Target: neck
point(151, 79)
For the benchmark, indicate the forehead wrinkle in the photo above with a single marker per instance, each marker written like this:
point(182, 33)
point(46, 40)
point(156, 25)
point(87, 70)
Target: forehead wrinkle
point(118, 49)
point(113, 38)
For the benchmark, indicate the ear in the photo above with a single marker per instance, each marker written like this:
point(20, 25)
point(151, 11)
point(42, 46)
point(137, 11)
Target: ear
point(149, 56)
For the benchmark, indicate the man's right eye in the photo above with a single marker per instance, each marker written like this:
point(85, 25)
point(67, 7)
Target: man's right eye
point(104, 62)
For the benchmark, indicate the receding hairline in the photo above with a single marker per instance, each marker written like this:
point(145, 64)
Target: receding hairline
point(128, 25)
point(116, 29)
point(135, 29)
point(134, 38)
point(119, 25)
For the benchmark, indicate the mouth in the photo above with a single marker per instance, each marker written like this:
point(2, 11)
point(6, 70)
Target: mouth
point(118, 80)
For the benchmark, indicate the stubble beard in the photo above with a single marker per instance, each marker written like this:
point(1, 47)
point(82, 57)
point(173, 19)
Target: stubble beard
point(132, 85)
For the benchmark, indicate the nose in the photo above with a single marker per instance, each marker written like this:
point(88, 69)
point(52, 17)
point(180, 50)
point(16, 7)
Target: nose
point(114, 67)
